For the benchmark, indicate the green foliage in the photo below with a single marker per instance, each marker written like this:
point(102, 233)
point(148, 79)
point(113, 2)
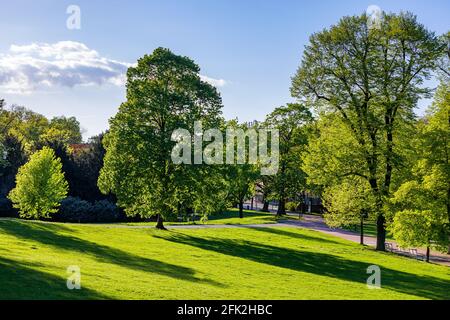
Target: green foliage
point(427, 189)
point(74, 209)
point(40, 185)
point(419, 228)
point(370, 79)
point(292, 206)
point(164, 93)
point(64, 130)
point(293, 122)
point(347, 203)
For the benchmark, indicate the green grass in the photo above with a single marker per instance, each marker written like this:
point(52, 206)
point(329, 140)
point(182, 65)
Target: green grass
point(224, 263)
point(370, 229)
point(230, 216)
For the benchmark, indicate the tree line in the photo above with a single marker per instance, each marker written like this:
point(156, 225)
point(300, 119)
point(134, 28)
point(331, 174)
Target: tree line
point(351, 136)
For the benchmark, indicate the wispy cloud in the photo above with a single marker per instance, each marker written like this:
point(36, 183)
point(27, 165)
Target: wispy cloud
point(215, 82)
point(39, 66)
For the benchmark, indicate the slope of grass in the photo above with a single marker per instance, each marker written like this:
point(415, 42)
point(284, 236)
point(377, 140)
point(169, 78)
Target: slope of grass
point(226, 263)
point(230, 216)
point(370, 229)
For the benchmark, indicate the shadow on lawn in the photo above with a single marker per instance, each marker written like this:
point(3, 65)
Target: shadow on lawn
point(19, 282)
point(247, 214)
point(48, 234)
point(317, 263)
point(295, 235)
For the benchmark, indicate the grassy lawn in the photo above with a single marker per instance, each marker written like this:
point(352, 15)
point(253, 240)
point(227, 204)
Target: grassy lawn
point(370, 229)
point(228, 263)
point(230, 216)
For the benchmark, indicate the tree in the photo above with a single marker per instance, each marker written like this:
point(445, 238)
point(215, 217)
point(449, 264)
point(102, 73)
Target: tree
point(348, 203)
point(164, 93)
point(13, 157)
point(427, 189)
point(241, 182)
point(64, 130)
point(419, 228)
point(435, 149)
point(40, 186)
point(291, 121)
point(371, 78)
point(241, 175)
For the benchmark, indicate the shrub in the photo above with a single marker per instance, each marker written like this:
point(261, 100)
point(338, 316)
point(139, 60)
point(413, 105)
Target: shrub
point(40, 185)
point(106, 211)
point(77, 210)
point(291, 206)
point(6, 208)
point(74, 210)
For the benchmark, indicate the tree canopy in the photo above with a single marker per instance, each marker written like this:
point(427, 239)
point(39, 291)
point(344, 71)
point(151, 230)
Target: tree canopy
point(371, 78)
point(164, 93)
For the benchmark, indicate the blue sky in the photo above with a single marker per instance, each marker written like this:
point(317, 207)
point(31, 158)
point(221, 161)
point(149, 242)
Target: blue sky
point(252, 46)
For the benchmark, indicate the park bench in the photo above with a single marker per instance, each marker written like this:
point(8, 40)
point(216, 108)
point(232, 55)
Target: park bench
point(415, 254)
point(411, 252)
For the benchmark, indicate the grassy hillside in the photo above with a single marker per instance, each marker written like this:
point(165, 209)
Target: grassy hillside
point(228, 263)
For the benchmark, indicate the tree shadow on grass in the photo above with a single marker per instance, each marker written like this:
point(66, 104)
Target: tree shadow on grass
point(317, 263)
point(22, 282)
point(247, 214)
point(301, 236)
point(47, 234)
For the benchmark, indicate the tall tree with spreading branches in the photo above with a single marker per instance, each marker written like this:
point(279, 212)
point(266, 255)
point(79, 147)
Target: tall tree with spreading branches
point(371, 76)
point(164, 93)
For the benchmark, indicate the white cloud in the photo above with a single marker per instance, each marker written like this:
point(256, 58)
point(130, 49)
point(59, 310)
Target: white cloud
point(27, 68)
point(39, 66)
point(215, 82)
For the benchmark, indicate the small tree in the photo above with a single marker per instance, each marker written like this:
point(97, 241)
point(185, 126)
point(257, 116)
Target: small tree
point(40, 185)
point(291, 121)
point(419, 228)
point(348, 203)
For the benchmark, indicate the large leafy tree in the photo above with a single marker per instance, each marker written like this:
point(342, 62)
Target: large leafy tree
point(291, 121)
point(371, 78)
point(164, 93)
point(427, 189)
point(40, 185)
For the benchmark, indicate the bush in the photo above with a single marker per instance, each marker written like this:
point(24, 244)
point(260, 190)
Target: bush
point(77, 210)
point(106, 211)
point(6, 208)
point(40, 185)
point(291, 206)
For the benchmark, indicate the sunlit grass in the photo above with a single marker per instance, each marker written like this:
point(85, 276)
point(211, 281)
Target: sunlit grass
point(224, 263)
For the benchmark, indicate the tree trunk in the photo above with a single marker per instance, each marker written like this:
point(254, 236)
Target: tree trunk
point(281, 207)
point(361, 230)
point(160, 223)
point(381, 233)
point(428, 254)
point(251, 206)
point(265, 206)
point(241, 208)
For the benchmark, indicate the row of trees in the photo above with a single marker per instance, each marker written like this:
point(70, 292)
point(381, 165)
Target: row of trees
point(24, 132)
point(352, 136)
point(164, 93)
